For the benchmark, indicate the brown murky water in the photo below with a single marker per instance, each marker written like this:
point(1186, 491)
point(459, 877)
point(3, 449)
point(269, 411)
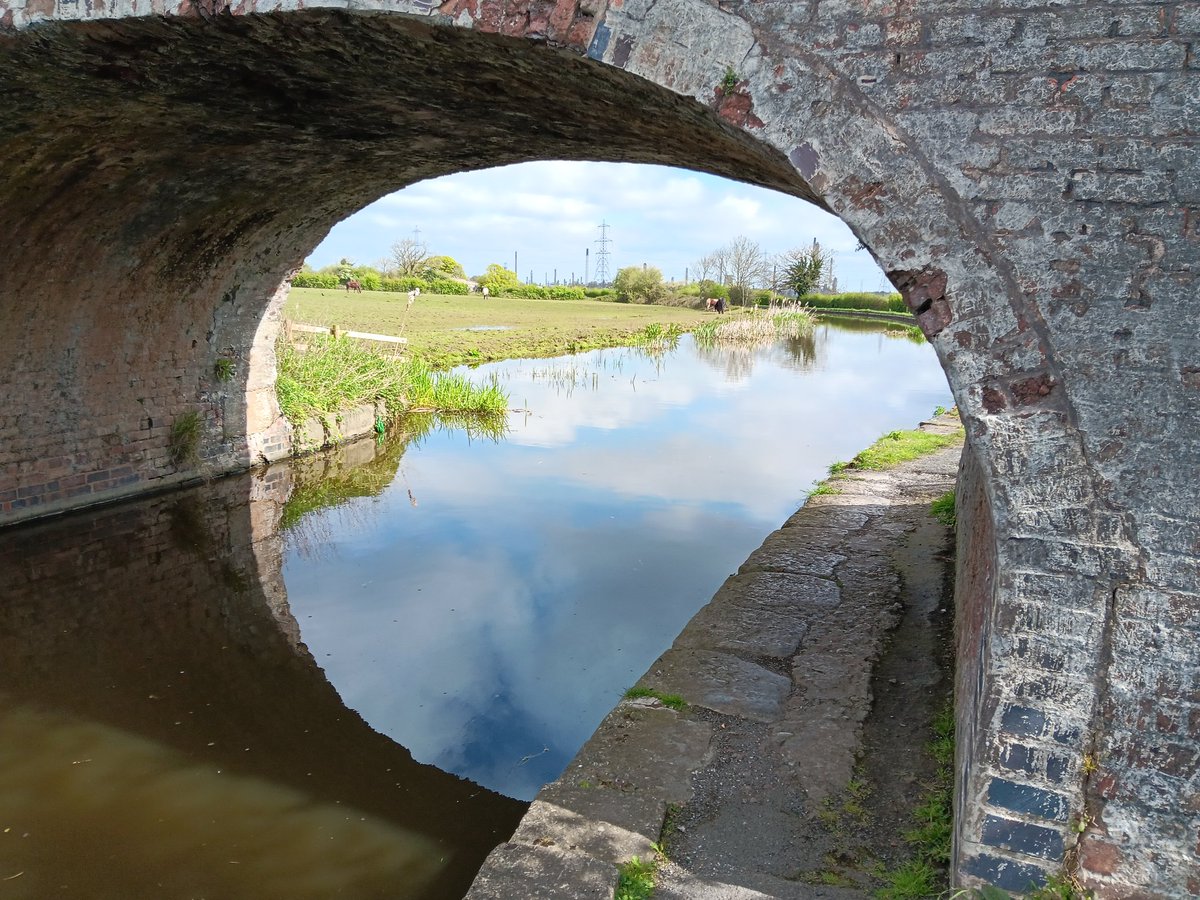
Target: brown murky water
point(164, 732)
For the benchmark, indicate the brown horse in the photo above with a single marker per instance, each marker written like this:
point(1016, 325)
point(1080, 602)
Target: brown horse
point(353, 285)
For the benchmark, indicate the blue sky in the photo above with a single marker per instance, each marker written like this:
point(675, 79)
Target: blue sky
point(548, 213)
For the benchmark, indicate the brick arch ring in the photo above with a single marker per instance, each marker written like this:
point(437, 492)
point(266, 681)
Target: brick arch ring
point(1026, 175)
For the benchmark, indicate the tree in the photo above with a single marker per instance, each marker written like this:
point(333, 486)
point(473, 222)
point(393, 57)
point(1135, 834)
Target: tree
point(444, 267)
point(705, 268)
point(710, 288)
point(640, 284)
point(803, 269)
point(746, 267)
point(408, 258)
point(345, 270)
point(496, 278)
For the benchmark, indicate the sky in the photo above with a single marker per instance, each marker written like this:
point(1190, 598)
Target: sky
point(549, 213)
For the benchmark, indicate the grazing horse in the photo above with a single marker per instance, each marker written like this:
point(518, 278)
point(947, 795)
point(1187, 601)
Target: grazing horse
point(353, 285)
point(710, 304)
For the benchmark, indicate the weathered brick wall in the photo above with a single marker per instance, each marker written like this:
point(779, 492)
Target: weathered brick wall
point(1027, 174)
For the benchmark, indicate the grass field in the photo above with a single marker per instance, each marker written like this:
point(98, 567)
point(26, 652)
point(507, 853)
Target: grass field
point(437, 325)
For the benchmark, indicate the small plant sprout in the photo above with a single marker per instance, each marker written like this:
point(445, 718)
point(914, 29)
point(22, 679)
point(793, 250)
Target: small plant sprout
point(672, 701)
point(223, 368)
point(636, 880)
point(1090, 763)
point(942, 509)
point(729, 81)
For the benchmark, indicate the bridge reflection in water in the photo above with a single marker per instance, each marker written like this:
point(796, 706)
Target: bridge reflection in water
point(164, 732)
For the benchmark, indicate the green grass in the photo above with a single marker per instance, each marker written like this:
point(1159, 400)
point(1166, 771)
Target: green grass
point(657, 337)
point(933, 823)
point(327, 375)
point(896, 447)
point(436, 324)
point(184, 441)
point(914, 880)
point(636, 880)
point(942, 509)
point(674, 701)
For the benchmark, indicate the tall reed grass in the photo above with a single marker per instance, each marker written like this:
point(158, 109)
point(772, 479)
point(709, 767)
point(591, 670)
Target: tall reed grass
point(326, 374)
point(756, 327)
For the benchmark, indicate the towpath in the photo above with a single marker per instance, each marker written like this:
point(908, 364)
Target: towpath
point(811, 679)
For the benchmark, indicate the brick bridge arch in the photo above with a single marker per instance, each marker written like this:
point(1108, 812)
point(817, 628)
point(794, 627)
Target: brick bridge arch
point(1027, 175)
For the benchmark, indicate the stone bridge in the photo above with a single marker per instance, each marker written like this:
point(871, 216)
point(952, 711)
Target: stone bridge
point(1027, 172)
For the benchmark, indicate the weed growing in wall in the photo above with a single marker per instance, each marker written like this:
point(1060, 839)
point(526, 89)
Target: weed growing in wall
point(185, 439)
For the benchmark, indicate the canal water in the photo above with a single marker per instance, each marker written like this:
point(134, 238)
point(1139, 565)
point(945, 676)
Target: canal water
point(344, 676)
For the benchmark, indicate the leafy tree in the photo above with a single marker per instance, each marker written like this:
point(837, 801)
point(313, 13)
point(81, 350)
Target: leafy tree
point(640, 284)
point(345, 270)
point(709, 288)
point(444, 267)
point(497, 278)
point(408, 257)
point(802, 268)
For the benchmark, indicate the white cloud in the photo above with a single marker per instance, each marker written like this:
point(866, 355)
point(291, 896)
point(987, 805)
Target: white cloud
point(549, 212)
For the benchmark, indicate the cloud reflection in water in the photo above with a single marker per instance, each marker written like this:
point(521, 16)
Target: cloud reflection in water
point(491, 627)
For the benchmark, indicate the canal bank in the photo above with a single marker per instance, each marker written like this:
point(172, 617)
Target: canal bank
point(810, 681)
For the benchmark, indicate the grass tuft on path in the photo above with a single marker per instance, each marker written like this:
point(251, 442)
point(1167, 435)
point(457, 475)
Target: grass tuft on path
point(897, 447)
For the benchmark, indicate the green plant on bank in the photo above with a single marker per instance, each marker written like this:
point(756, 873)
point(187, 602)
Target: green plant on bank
point(729, 81)
point(223, 368)
point(942, 509)
point(931, 835)
point(914, 880)
point(184, 440)
point(636, 880)
point(658, 338)
point(896, 447)
point(674, 701)
point(823, 487)
point(331, 374)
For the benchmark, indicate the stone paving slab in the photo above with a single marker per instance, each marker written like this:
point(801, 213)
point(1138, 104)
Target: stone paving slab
point(635, 731)
point(746, 631)
point(607, 824)
point(519, 872)
point(721, 682)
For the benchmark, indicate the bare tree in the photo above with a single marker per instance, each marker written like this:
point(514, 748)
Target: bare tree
point(746, 264)
point(720, 264)
point(704, 268)
point(408, 257)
